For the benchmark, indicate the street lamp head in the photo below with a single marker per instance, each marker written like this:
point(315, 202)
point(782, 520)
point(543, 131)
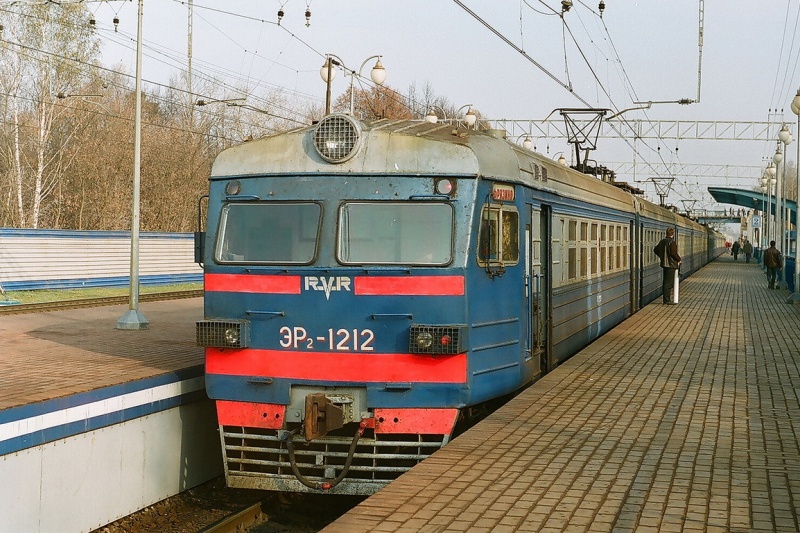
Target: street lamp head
point(432, 117)
point(771, 171)
point(378, 73)
point(527, 143)
point(327, 68)
point(796, 104)
point(470, 118)
point(785, 136)
point(778, 157)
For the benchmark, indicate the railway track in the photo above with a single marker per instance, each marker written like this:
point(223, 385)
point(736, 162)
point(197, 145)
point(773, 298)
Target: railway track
point(213, 508)
point(41, 307)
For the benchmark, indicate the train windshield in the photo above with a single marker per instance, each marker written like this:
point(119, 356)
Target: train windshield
point(269, 233)
point(417, 233)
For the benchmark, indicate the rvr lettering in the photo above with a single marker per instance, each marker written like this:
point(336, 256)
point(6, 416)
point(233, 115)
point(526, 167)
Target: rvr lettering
point(331, 283)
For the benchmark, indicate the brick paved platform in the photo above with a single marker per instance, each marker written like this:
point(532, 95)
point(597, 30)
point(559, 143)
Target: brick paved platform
point(50, 355)
point(683, 418)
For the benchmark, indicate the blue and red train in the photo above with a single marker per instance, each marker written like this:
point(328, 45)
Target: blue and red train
point(370, 284)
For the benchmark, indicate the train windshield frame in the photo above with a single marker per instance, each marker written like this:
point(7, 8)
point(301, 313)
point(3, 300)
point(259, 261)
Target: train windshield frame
point(269, 233)
point(395, 233)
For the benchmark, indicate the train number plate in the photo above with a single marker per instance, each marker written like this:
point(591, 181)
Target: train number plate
point(342, 340)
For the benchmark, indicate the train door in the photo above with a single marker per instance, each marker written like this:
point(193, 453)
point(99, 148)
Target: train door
point(634, 243)
point(538, 275)
point(644, 243)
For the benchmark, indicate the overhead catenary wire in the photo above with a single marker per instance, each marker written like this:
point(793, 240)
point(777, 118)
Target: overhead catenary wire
point(172, 61)
point(605, 91)
point(105, 69)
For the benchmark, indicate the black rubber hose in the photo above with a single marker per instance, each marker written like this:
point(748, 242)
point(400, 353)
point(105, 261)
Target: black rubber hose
point(326, 485)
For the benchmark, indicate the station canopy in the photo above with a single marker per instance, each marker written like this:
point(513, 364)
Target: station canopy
point(751, 200)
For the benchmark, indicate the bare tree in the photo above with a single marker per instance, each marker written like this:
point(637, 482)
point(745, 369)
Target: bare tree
point(53, 52)
point(379, 101)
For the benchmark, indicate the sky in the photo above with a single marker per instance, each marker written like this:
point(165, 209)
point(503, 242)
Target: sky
point(510, 59)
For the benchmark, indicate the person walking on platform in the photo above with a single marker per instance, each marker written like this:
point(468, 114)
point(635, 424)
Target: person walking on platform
point(748, 250)
point(667, 251)
point(774, 262)
point(735, 249)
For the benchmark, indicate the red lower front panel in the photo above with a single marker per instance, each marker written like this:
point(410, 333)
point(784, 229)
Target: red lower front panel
point(247, 414)
point(416, 421)
point(406, 421)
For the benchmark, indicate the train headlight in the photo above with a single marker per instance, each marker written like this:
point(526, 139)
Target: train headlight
point(424, 340)
point(337, 138)
point(449, 339)
point(233, 188)
point(445, 186)
point(223, 333)
point(232, 336)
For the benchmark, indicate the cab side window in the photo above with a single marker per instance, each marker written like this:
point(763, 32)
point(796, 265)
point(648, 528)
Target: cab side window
point(498, 237)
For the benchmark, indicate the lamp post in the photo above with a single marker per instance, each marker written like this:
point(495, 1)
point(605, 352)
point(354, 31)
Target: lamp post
point(133, 318)
point(561, 159)
point(762, 231)
point(796, 110)
point(785, 137)
point(770, 196)
point(777, 158)
point(377, 74)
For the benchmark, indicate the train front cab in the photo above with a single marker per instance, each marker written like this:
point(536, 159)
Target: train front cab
point(334, 330)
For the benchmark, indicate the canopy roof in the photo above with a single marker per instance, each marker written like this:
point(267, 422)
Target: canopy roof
point(751, 200)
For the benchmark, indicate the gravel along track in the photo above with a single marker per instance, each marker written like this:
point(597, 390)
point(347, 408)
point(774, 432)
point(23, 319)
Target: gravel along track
point(197, 509)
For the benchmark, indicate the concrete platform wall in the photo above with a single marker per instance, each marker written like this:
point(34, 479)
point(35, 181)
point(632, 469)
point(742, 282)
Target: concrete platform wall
point(146, 441)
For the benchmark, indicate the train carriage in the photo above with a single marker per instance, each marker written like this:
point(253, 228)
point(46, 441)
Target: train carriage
point(368, 285)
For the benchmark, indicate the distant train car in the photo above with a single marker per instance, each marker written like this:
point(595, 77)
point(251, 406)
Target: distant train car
point(367, 285)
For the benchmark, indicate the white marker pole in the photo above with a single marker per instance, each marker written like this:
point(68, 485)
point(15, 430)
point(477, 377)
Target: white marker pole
point(675, 284)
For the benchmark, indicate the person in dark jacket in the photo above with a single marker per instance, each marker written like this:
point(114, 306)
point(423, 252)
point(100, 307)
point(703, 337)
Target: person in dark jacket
point(774, 262)
point(735, 250)
point(667, 252)
point(748, 250)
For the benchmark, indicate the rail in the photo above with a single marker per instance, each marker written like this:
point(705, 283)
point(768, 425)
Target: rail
point(235, 522)
point(41, 307)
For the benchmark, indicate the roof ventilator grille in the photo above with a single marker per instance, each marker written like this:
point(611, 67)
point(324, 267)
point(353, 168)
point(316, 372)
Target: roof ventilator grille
point(337, 138)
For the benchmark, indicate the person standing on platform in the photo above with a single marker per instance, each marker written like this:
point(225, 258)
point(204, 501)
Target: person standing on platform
point(735, 249)
point(748, 250)
point(667, 252)
point(774, 262)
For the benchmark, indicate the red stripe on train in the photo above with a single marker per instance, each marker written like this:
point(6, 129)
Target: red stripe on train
point(252, 283)
point(409, 286)
point(338, 366)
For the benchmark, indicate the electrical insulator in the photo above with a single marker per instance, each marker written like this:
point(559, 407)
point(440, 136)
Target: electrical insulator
point(308, 17)
point(566, 5)
point(280, 15)
point(92, 22)
point(116, 23)
point(602, 7)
